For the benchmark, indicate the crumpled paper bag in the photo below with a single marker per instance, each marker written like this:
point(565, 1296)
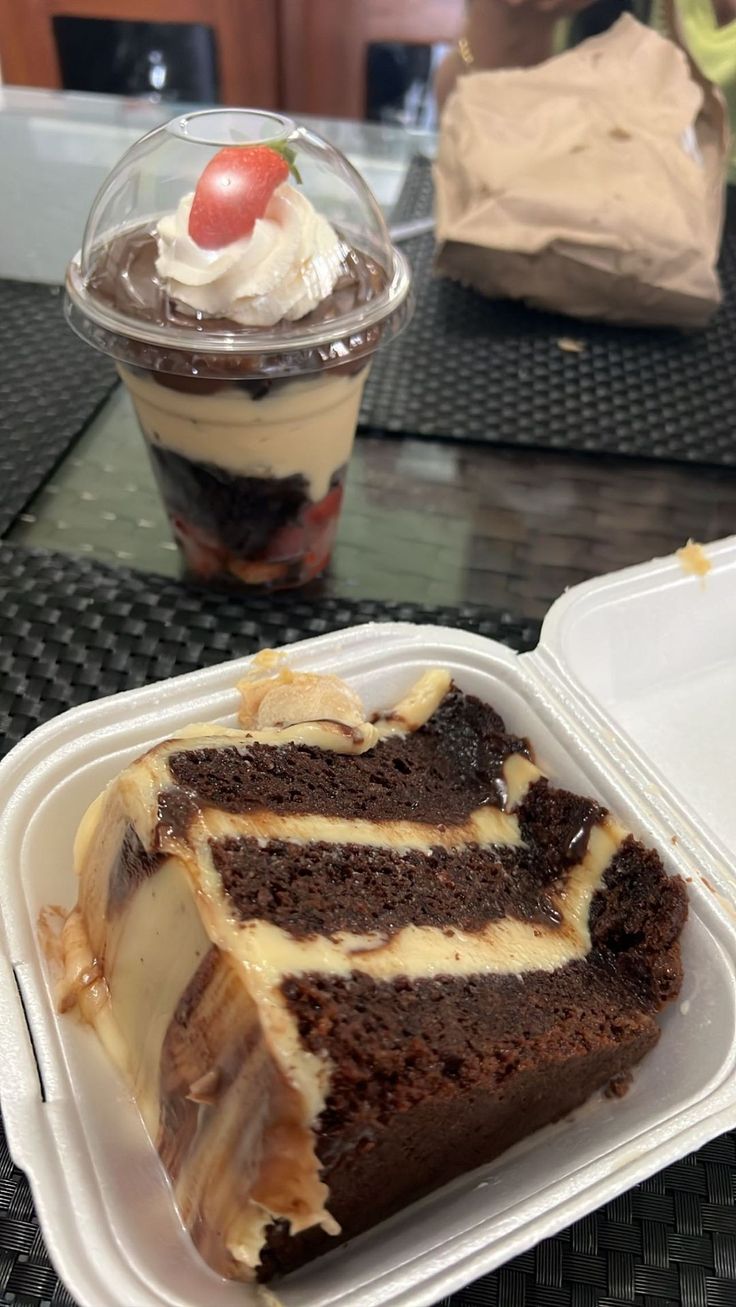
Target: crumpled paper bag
point(593, 184)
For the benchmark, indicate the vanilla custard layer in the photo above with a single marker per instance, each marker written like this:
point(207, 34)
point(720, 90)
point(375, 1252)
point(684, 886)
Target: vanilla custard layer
point(299, 428)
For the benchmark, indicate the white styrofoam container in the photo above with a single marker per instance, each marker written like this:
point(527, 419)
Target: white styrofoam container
point(646, 655)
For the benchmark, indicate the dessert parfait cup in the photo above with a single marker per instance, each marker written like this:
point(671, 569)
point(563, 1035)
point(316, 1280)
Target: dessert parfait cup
point(246, 369)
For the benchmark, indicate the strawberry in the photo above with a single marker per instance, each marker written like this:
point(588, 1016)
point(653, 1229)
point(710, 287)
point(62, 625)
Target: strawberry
point(325, 509)
point(321, 519)
point(234, 190)
point(287, 544)
point(203, 557)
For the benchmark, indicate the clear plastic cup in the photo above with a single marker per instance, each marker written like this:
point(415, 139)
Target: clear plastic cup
point(249, 428)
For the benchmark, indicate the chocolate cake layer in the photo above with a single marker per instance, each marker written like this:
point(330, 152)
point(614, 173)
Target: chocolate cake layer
point(321, 889)
point(394, 1044)
point(256, 387)
point(444, 1137)
point(441, 773)
point(175, 811)
point(638, 917)
point(433, 1078)
point(242, 513)
point(557, 824)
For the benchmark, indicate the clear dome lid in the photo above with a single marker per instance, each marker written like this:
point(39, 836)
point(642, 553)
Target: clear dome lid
point(206, 254)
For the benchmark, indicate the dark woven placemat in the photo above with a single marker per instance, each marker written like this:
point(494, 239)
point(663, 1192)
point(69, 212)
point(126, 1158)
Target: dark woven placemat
point(51, 384)
point(71, 630)
point(468, 368)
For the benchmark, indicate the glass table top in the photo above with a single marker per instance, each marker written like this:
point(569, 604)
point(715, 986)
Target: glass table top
point(424, 520)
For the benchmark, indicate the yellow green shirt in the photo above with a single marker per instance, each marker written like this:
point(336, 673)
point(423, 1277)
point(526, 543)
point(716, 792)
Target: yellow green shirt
point(714, 50)
point(712, 47)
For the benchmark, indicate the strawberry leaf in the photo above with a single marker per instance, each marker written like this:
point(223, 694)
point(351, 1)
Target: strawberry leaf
point(288, 154)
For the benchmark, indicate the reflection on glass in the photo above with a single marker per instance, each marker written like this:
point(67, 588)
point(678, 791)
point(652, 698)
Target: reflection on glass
point(162, 61)
point(399, 82)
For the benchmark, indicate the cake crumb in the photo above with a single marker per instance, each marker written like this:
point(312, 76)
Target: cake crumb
point(571, 346)
point(674, 839)
point(692, 559)
point(620, 1085)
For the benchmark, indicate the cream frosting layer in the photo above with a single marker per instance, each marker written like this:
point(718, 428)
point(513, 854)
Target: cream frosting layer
point(281, 271)
point(505, 947)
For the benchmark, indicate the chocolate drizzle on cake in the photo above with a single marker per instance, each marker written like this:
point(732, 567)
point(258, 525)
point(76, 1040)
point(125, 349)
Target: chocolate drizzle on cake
point(558, 824)
point(133, 864)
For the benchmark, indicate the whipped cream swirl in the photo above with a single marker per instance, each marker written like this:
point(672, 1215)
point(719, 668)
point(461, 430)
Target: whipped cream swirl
point(283, 269)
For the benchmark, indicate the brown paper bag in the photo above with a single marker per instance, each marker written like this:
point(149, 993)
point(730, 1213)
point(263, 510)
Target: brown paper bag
point(593, 184)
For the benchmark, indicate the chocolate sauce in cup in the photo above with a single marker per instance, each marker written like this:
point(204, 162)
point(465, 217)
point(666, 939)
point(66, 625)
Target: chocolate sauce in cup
point(240, 272)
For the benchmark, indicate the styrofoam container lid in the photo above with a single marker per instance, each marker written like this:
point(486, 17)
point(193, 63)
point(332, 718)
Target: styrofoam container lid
point(652, 651)
point(630, 697)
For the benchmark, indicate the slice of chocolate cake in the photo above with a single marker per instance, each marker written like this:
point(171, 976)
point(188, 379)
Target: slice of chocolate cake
point(341, 961)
